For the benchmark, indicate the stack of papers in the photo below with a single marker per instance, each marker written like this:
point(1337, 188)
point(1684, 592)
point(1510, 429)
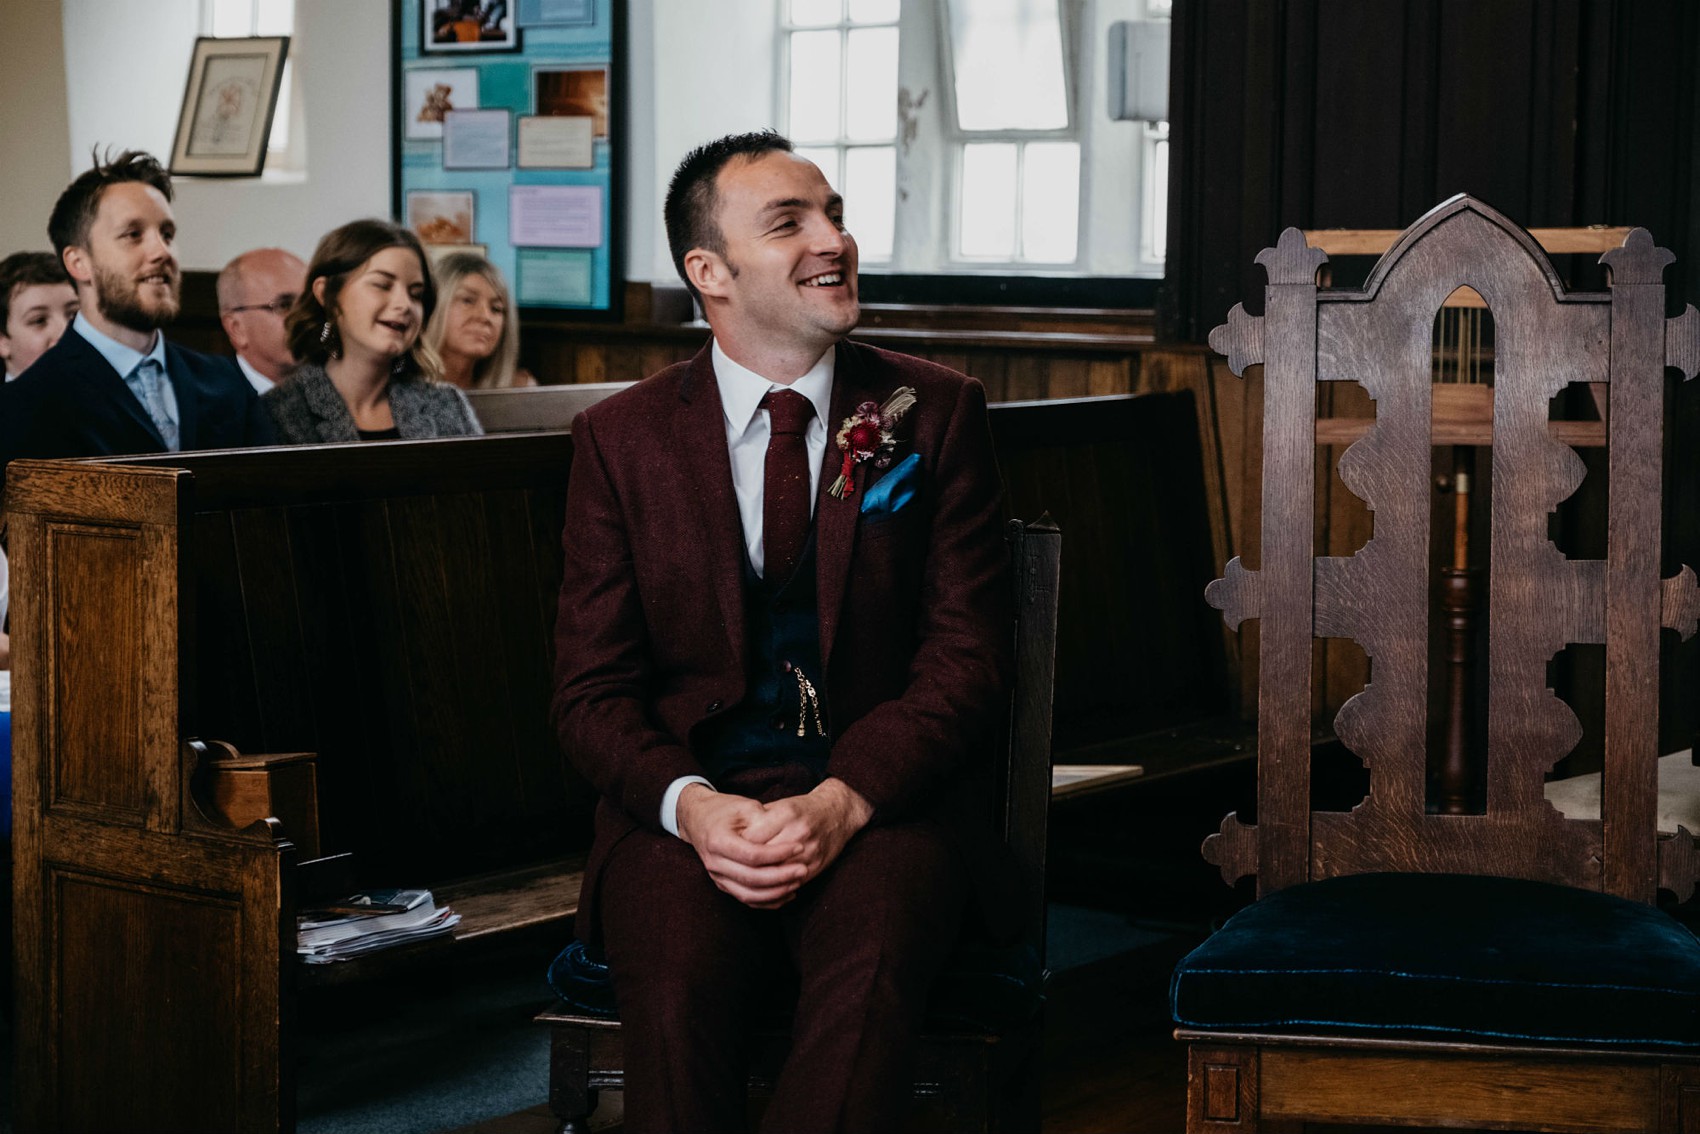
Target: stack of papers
point(369, 921)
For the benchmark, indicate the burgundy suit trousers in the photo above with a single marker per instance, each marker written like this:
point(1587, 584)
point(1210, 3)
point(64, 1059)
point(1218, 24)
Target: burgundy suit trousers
point(694, 971)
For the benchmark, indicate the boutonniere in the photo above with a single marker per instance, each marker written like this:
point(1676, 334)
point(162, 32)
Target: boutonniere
point(866, 436)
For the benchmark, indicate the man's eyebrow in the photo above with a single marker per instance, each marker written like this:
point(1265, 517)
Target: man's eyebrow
point(784, 203)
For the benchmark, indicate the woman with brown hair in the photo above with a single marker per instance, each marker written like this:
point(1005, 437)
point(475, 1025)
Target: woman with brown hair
point(475, 330)
point(365, 374)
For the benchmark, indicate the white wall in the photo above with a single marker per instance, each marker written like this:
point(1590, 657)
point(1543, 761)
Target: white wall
point(715, 73)
point(33, 133)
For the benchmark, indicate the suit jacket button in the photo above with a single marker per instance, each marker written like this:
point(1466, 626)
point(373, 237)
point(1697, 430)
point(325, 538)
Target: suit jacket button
point(713, 707)
point(784, 667)
point(779, 722)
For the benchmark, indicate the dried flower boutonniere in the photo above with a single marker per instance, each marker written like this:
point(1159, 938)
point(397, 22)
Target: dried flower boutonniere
point(866, 435)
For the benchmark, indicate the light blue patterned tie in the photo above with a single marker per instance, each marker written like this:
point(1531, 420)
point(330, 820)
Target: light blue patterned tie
point(145, 381)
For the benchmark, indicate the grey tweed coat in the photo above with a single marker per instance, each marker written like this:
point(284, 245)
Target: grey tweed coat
point(306, 409)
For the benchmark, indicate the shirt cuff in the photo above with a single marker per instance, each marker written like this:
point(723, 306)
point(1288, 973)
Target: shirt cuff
point(670, 801)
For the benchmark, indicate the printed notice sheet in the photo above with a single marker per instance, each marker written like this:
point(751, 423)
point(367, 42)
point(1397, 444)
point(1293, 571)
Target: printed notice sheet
point(546, 142)
point(555, 216)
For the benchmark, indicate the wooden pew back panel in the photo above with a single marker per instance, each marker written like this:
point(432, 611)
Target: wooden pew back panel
point(391, 608)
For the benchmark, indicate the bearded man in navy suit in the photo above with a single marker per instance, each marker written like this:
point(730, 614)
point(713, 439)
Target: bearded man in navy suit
point(113, 384)
point(784, 720)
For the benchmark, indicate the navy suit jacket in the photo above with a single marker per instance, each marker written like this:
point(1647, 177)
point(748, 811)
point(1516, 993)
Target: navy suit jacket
point(71, 403)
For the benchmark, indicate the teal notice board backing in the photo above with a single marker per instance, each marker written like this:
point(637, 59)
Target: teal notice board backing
point(507, 121)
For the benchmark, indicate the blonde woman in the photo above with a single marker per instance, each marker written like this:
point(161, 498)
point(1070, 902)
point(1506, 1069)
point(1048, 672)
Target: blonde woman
point(366, 374)
point(475, 330)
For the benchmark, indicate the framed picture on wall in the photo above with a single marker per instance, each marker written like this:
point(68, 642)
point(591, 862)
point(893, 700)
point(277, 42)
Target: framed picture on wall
point(432, 94)
point(227, 106)
point(440, 216)
point(460, 26)
point(573, 92)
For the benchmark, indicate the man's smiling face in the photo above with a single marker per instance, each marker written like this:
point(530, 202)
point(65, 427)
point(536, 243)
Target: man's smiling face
point(790, 267)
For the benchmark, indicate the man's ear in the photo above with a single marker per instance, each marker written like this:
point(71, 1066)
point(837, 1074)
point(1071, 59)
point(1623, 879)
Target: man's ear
point(232, 330)
point(76, 261)
point(708, 272)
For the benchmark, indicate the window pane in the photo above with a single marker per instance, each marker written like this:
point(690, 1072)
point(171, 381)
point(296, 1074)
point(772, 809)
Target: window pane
point(874, 11)
point(871, 95)
point(870, 198)
point(274, 17)
point(1009, 64)
point(988, 200)
point(814, 85)
point(814, 13)
point(1050, 202)
point(826, 160)
point(232, 18)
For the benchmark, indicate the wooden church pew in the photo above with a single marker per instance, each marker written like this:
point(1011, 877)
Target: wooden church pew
point(386, 607)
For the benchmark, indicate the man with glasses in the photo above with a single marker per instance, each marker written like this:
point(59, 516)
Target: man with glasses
point(255, 291)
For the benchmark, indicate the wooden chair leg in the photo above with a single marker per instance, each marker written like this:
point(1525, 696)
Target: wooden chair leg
point(570, 1096)
point(1221, 1091)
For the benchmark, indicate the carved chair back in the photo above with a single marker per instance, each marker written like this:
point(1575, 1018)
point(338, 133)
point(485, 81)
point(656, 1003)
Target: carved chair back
point(1538, 599)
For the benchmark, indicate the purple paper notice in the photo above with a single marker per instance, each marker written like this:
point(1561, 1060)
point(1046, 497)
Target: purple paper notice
point(555, 216)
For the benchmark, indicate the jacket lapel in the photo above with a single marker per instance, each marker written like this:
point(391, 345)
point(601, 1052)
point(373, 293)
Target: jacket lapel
point(699, 441)
point(332, 421)
point(184, 385)
point(835, 518)
point(103, 382)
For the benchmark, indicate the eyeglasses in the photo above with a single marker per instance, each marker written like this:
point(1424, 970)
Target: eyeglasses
point(278, 306)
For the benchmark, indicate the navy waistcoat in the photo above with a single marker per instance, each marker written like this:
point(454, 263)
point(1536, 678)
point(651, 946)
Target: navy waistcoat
point(781, 634)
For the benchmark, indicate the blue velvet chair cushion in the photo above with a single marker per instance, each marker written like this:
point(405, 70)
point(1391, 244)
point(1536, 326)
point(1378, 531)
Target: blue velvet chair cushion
point(983, 987)
point(1494, 958)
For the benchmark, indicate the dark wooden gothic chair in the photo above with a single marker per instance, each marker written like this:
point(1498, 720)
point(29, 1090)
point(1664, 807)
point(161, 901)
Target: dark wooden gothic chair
point(1505, 970)
point(977, 1069)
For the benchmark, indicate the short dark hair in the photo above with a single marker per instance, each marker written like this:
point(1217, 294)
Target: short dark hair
point(74, 212)
point(27, 269)
point(340, 251)
point(691, 199)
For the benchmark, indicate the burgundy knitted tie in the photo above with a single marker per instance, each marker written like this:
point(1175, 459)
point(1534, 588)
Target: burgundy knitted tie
point(785, 489)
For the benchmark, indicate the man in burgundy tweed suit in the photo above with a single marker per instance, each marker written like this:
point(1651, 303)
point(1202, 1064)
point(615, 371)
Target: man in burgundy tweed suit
point(788, 754)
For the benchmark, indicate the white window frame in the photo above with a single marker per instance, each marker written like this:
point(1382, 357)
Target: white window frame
point(960, 138)
point(929, 170)
point(842, 142)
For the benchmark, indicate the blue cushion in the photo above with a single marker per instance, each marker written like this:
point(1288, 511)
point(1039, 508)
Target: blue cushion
point(983, 987)
point(1495, 958)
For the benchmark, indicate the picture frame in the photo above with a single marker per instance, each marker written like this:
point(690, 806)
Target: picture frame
point(430, 94)
point(572, 90)
point(442, 216)
point(228, 103)
point(462, 27)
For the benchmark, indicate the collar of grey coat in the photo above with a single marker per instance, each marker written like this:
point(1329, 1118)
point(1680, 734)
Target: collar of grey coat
point(335, 423)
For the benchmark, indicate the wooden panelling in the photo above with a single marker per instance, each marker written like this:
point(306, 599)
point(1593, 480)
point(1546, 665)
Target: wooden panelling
point(1489, 1094)
point(179, 976)
point(97, 760)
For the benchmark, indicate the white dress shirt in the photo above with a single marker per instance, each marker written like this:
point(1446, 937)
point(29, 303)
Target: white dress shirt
point(255, 379)
point(741, 392)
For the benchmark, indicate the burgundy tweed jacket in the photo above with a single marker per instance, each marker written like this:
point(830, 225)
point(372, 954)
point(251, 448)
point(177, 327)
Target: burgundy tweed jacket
point(914, 605)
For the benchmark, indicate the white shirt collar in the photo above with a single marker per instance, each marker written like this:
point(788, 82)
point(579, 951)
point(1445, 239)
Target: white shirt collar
point(742, 389)
point(255, 379)
point(122, 358)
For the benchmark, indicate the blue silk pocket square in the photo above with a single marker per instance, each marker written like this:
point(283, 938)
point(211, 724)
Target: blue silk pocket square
point(895, 489)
